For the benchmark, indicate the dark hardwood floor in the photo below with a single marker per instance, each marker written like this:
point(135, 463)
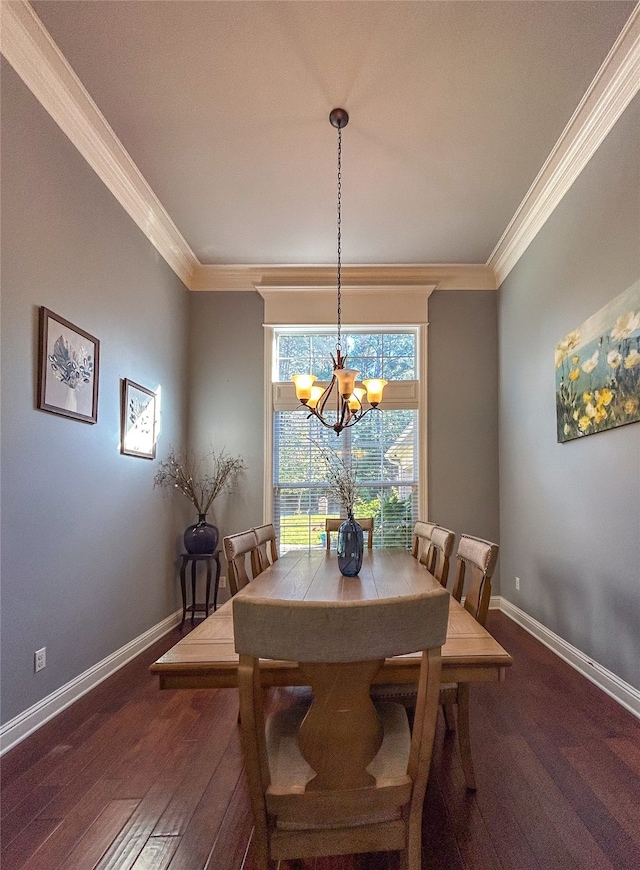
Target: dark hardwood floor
point(131, 778)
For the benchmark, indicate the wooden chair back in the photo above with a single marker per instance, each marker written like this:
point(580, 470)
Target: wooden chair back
point(422, 542)
point(441, 550)
point(236, 548)
point(476, 560)
point(332, 524)
point(267, 552)
point(340, 777)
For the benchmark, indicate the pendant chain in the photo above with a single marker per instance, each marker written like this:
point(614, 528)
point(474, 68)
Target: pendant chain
point(339, 344)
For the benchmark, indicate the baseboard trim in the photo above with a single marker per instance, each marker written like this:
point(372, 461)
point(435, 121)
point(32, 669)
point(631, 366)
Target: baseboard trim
point(21, 726)
point(624, 693)
point(25, 723)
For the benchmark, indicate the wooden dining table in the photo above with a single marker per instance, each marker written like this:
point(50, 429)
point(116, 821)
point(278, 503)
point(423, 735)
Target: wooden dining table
point(206, 657)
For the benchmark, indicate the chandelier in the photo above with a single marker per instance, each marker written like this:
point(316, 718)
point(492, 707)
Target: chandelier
point(346, 408)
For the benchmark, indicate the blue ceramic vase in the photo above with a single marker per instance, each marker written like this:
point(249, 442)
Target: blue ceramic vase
point(201, 537)
point(350, 547)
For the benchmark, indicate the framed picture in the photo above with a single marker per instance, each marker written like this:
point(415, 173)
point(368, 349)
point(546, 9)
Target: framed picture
point(68, 368)
point(137, 421)
point(598, 370)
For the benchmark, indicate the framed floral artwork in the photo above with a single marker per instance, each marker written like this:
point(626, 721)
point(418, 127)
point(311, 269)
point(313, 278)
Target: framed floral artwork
point(68, 368)
point(598, 370)
point(137, 421)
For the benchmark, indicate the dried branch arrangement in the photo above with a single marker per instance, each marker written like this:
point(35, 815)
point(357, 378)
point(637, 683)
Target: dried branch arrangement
point(199, 480)
point(341, 477)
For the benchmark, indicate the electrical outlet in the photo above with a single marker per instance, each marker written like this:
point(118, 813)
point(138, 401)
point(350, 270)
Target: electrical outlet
point(40, 659)
point(223, 582)
point(517, 584)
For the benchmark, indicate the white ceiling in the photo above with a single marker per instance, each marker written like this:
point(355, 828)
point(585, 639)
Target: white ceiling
point(224, 108)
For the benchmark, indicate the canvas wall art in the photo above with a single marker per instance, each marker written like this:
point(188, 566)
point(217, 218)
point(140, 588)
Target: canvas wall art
point(137, 421)
point(67, 369)
point(598, 370)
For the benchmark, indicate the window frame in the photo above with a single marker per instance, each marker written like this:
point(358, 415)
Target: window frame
point(280, 395)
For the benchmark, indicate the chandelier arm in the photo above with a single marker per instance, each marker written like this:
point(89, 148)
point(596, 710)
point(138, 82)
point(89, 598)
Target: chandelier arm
point(346, 412)
point(322, 401)
point(357, 417)
point(340, 424)
point(324, 422)
point(342, 420)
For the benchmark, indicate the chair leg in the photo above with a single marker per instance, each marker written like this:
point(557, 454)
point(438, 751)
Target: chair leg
point(449, 717)
point(260, 856)
point(464, 736)
point(413, 852)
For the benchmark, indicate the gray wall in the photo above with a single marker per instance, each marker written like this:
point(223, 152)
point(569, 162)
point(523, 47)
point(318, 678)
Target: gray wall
point(570, 513)
point(463, 453)
point(88, 547)
point(226, 365)
point(463, 414)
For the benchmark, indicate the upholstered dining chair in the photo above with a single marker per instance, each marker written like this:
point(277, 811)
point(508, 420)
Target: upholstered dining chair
point(267, 552)
point(236, 549)
point(332, 524)
point(476, 559)
point(341, 776)
point(440, 554)
point(422, 541)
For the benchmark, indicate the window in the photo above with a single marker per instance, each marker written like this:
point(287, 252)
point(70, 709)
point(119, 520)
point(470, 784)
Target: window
point(391, 355)
point(383, 445)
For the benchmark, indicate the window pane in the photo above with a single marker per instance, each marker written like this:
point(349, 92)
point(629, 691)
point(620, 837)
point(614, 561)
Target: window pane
point(384, 448)
point(374, 354)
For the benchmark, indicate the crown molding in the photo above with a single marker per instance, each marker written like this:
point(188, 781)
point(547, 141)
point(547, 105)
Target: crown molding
point(268, 290)
point(29, 48)
point(614, 86)
point(282, 277)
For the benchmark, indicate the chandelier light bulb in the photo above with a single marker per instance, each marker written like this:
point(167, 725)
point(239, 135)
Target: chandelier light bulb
point(375, 387)
point(346, 381)
point(355, 400)
point(316, 392)
point(304, 385)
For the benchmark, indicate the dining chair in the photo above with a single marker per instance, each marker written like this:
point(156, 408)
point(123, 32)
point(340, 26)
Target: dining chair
point(422, 541)
point(477, 558)
point(267, 552)
point(341, 776)
point(440, 553)
point(332, 524)
point(236, 548)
